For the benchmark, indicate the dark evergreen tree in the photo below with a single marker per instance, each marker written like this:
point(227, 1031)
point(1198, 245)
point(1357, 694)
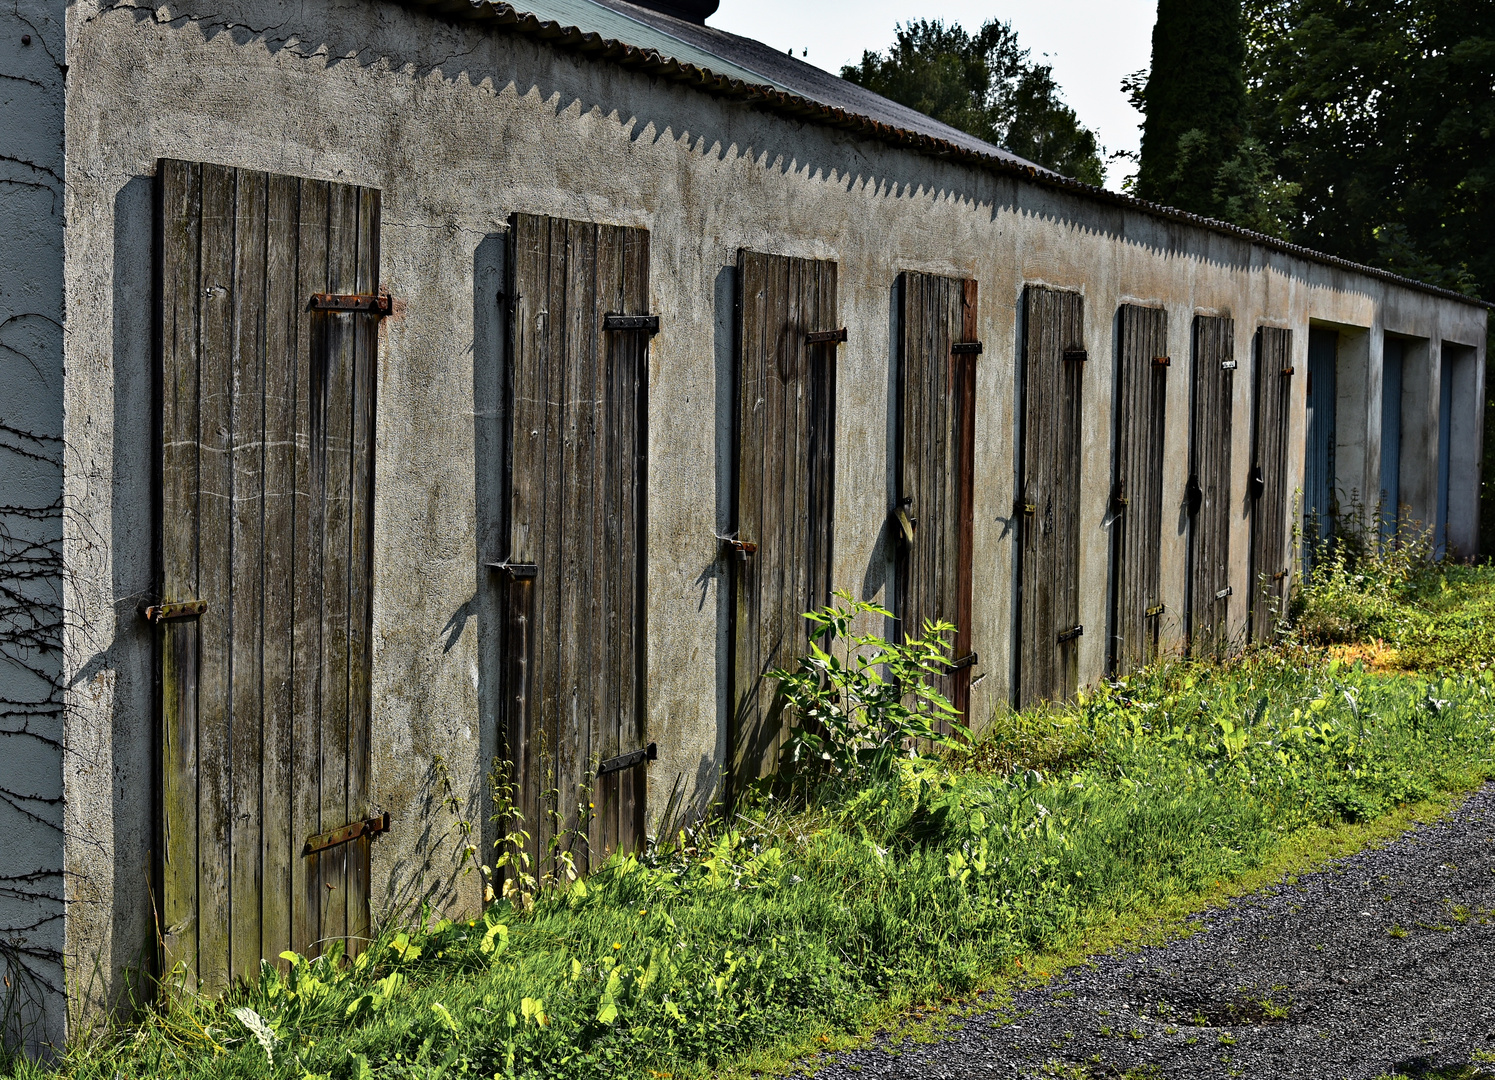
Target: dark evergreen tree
point(1195, 149)
point(983, 84)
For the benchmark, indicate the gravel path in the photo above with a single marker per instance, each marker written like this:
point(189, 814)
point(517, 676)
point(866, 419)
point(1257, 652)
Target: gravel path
point(1382, 962)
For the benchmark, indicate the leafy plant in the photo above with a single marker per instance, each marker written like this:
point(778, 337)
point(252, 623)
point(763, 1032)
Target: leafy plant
point(863, 701)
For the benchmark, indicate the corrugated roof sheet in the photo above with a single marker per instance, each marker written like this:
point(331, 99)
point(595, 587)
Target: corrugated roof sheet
point(725, 77)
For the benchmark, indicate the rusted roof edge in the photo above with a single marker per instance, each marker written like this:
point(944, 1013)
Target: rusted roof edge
point(652, 62)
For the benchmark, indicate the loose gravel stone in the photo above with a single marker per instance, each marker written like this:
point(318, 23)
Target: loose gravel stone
point(1381, 962)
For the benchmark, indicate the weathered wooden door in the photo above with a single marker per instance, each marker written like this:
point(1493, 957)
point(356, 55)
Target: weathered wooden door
point(1270, 558)
point(1048, 511)
point(573, 573)
point(266, 482)
point(1208, 492)
point(786, 422)
point(932, 522)
point(1137, 487)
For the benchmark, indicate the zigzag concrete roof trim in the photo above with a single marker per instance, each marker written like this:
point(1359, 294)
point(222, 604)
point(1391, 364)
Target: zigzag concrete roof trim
point(652, 62)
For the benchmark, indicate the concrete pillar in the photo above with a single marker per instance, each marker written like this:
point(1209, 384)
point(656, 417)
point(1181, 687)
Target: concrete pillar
point(1357, 454)
point(32, 896)
point(1420, 393)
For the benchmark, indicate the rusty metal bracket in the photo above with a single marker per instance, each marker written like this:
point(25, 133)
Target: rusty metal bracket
point(970, 659)
point(644, 324)
point(366, 827)
point(627, 761)
point(1070, 635)
point(1287, 370)
point(742, 549)
point(1161, 361)
point(353, 303)
point(1154, 611)
point(186, 609)
point(825, 337)
point(1078, 356)
point(966, 348)
point(516, 570)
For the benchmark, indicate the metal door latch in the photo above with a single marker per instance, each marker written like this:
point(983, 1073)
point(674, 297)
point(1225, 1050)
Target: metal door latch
point(1154, 611)
point(346, 303)
point(645, 324)
point(1070, 635)
point(826, 337)
point(1223, 593)
point(966, 348)
point(1078, 356)
point(366, 827)
point(627, 761)
point(1161, 361)
point(1227, 365)
point(907, 525)
point(515, 570)
point(970, 659)
point(742, 549)
point(185, 609)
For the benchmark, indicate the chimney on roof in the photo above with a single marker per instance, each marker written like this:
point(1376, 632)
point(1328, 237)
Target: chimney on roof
point(696, 11)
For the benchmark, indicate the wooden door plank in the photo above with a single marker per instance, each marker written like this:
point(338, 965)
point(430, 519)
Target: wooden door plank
point(337, 477)
point(214, 813)
point(822, 450)
point(1209, 533)
point(246, 553)
point(308, 397)
point(279, 849)
point(964, 489)
point(752, 285)
point(633, 425)
point(363, 404)
point(180, 221)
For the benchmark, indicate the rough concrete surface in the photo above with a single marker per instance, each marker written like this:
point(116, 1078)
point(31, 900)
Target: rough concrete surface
point(1379, 963)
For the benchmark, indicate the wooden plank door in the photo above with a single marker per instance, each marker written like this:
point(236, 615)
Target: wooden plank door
point(936, 465)
point(265, 569)
point(1208, 492)
point(785, 479)
point(573, 573)
point(1270, 532)
point(1320, 504)
point(1137, 488)
point(1048, 511)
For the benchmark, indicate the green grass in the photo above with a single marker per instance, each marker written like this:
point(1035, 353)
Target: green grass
point(1062, 831)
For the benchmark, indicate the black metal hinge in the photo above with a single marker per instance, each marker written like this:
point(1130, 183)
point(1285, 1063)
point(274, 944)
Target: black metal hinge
point(1079, 356)
point(185, 609)
point(366, 827)
point(515, 569)
point(369, 303)
point(627, 761)
point(825, 337)
point(1070, 635)
point(644, 324)
point(966, 348)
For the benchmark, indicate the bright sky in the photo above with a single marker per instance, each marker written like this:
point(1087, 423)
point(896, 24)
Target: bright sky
point(1091, 44)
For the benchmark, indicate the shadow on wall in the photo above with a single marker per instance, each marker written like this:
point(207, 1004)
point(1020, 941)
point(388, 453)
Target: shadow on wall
point(484, 68)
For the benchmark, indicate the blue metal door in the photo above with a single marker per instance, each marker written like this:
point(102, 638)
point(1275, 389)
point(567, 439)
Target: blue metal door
point(1318, 476)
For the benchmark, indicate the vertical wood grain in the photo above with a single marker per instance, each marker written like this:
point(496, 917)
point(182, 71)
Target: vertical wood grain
point(1209, 455)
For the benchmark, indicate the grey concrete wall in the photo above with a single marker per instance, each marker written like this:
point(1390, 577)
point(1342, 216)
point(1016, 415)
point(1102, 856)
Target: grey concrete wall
point(32, 67)
point(460, 127)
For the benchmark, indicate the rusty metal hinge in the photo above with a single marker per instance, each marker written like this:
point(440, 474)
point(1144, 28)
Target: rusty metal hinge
point(1161, 361)
point(351, 303)
point(627, 761)
point(966, 348)
point(1070, 635)
point(1154, 611)
point(516, 569)
point(970, 659)
point(1079, 356)
point(1287, 370)
point(185, 609)
point(825, 337)
point(644, 324)
point(366, 827)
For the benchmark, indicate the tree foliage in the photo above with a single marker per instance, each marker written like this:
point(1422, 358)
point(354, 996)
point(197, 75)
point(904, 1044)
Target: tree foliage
point(1381, 114)
point(986, 85)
